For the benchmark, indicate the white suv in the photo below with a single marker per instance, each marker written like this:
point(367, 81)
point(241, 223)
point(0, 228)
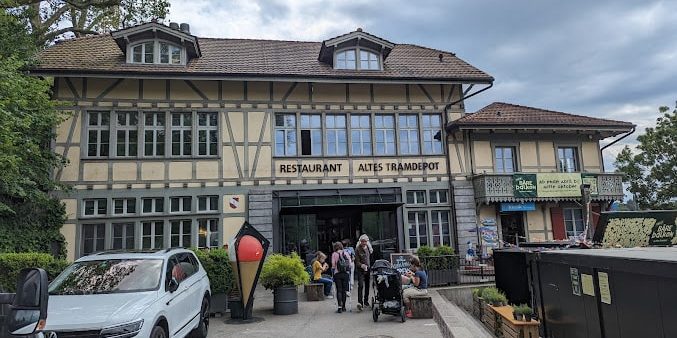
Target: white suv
point(158, 294)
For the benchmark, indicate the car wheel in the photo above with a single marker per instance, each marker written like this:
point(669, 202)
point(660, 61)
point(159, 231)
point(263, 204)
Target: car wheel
point(203, 327)
point(158, 332)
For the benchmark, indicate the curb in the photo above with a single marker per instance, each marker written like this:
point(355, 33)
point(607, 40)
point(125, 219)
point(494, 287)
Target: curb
point(453, 321)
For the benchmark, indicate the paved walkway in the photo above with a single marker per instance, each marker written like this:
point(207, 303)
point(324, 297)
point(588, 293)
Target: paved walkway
point(318, 319)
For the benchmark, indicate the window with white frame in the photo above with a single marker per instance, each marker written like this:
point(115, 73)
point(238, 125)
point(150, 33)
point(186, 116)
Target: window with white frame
point(95, 207)
point(505, 159)
point(181, 233)
point(417, 229)
point(416, 197)
point(93, 238)
point(208, 233)
point(285, 135)
point(440, 232)
point(154, 134)
point(207, 133)
point(153, 205)
point(408, 126)
point(98, 133)
point(311, 134)
point(384, 130)
point(182, 131)
point(152, 235)
point(360, 134)
point(123, 236)
point(180, 204)
point(567, 159)
point(432, 126)
point(573, 221)
point(127, 133)
point(438, 196)
point(347, 59)
point(337, 138)
point(208, 203)
point(124, 206)
point(156, 52)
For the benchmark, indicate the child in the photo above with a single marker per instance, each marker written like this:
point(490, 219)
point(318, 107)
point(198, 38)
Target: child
point(320, 266)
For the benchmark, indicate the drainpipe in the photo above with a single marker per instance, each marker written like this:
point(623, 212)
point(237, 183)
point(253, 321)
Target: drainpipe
point(614, 142)
point(451, 186)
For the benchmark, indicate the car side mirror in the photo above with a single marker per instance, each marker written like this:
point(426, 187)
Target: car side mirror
point(28, 312)
point(173, 284)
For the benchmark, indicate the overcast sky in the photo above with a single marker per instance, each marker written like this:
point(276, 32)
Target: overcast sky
point(610, 59)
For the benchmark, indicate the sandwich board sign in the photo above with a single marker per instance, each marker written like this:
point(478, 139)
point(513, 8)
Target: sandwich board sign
point(400, 261)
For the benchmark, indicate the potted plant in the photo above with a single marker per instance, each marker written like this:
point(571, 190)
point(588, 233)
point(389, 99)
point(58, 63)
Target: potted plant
point(494, 296)
point(528, 312)
point(283, 274)
point(217, 265)
point(440, 264)
point(478, 303)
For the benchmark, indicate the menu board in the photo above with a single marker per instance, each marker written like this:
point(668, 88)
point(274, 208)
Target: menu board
point(400, 261)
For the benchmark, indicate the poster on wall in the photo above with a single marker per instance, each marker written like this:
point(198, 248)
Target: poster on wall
point(488, 236)
point(591, 180)
point(524, 185)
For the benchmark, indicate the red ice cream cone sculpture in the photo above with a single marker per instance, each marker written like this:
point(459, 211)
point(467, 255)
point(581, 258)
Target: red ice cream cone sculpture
point(249, 255)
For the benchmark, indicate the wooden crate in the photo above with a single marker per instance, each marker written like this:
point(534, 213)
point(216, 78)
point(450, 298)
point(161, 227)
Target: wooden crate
point(511, 328)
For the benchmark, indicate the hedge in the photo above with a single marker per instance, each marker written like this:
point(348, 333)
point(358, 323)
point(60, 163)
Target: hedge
point(12, 263)
point(220, 272)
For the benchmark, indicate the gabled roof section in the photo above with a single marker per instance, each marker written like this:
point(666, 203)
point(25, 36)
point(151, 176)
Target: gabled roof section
point(154, 30)
point(355, 38)
point(499, 115)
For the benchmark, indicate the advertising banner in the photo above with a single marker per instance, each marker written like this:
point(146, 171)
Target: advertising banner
point(637, 228)
point(558, 185)
point(523, 206)
point(524, 185)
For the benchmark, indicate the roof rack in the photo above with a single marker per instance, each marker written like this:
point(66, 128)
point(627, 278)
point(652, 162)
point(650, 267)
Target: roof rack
point(174, 248)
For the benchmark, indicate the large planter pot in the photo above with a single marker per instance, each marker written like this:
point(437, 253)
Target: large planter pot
point(219, 303)
point(442, 277)
point(285, 300)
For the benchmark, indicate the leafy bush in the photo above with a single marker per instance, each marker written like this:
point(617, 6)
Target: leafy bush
point(12, 263)
point(477, 292)
point(280, 270)
point(494, 296)
point(220, 272)
point(439, 258)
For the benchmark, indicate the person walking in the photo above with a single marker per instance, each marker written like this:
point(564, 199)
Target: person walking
point(347, 247)
point(363, 265)
point(419, 279)
point(340, 262)
point(320, 266)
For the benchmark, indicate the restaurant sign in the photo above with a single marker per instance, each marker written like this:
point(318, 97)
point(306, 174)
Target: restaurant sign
point(548, 185)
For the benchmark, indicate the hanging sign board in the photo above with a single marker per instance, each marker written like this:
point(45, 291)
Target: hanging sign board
point(524, 206)
point(524, 185)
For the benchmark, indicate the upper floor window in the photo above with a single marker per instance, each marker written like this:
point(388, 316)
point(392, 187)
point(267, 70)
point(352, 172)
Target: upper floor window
point(505, 159)
point(432, 134)
point(95, 207)
point(438, 196)
point(408, 125)
point(347, 59)
point(285, 135)
point(416, 197)
point(311, 135)
point(98, 133)
point(567, 159)
point(156, 52)
point(360, 133)
point(207, 133)
point(337, 138)
point(573, 221)
point(126, 129)
point(384, 129)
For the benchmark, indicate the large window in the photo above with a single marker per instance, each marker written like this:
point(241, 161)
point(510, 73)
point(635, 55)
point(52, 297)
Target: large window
point(93, 238)
point(207, 133)
point(311, 134)
point(505, 159)
point(98, 133)
point(360, 134)
point(154, 134)
point(181, 231)
point(337, 140)
point(416, 197)
point(567, 159)
point(347, 59)
point(123, 236)
point(441, 232)
point(208, 233)
point(153, 235)
point(207, 203)
point(170, 54)
point(95, 207)
point(438, 196)
point(182, 130)
point(417, 229)
point(153, 205)
point(384, 129)
point(573, 221)
point(156, 52)
point(124, 206)
point(127, 134)
point(432, 128)
point(285, 135)
point(408, 126)
point(144, 52)
point(180, 204)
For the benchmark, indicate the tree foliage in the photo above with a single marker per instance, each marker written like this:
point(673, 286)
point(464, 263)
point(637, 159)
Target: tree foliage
point(48, 20)
point(652, 171)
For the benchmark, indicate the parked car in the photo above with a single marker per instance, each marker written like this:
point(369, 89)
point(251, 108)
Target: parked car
point(158, 294)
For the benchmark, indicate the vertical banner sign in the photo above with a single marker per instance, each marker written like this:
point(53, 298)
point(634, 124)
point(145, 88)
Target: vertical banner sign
point(524, 185)
point(591, 179)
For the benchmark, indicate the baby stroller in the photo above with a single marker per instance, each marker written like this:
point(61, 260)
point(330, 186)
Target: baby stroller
point(387, 284)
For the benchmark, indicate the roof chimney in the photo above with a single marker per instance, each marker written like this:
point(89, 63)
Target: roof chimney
point(359, 29)
point(174, 25)
point(441, 56)
point(185, 28)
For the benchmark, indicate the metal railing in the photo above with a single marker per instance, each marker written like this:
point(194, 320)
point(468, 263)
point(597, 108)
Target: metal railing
point(454, 269)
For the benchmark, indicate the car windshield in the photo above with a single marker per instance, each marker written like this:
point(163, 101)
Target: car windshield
point(108, 276)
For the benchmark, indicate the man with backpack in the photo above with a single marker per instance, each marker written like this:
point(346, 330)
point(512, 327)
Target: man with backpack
point(340, 261)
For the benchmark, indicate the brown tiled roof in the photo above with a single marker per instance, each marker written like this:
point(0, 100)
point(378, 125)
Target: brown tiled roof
point(499, 114)
point(264, 58)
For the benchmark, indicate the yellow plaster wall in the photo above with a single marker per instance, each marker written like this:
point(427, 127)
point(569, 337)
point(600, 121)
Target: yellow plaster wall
point(70, 171)
point(68, 232)
point(229, 164)
point(231, 225)
point(95, 172)
point(359, 93)
point(482, 154)
point(547, 152)
point(179, 90)
point(280, 89)
point(417, 95)
point(180, 170)
point(356, 165)
point(71, 208)
point(299, 94)
point(390, 93)
point(528, 154)
point(127, 89)
point(209, 88)
point(258, 91)
point(152, 171)
point(63, 129)
point(263, 166)
point(590, 154)
point(154, 89)
point(207, 169)
point(95, 87)
point(456, 166)
point(237, 125)
point(329, 92)
point(284, 174)
point(240, 203)
point(233, 90)
point(254, 125)
point(124, 171)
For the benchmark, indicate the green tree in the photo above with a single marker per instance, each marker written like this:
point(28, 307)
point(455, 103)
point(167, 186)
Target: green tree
point(50, 19)
point(651, 172)
point(30, 216)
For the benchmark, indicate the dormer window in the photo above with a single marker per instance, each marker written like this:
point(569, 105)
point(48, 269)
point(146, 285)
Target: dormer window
point(347, 59)
point(156, 52)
